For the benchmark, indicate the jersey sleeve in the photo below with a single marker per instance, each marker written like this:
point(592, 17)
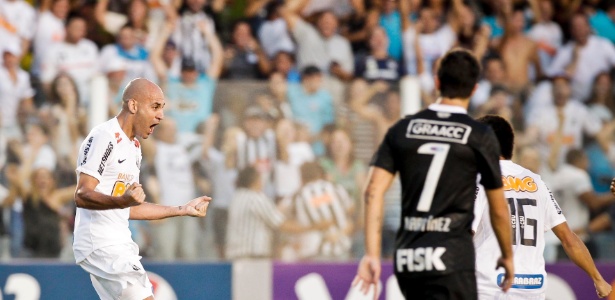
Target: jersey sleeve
point(488, 161)
point(95, 154)
point(384, 157)
point(480, 204)
point(553, 214)
point(267, 212)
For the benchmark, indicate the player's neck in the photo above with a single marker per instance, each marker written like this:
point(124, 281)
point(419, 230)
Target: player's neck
point(126, 124)
point(461, 102)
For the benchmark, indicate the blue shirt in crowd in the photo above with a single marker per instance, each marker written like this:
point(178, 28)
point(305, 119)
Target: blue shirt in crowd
point(190, 105)
point(315, 110)
point(392, 25)
point(603, 25)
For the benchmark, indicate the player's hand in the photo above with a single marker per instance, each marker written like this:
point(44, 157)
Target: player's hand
point(197, 207)
point(368, 274)
point(509, 272)
point(134, 195)
point(613, 186)
point(603, 288)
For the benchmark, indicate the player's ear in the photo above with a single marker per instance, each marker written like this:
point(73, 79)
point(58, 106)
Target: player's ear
point(436, 82)
point(474, 90)
point(132, 106)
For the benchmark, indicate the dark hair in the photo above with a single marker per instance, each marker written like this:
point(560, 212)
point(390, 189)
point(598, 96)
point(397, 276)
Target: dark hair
point(73, 16)
point(504, 133)
point(247, 177)
point(55, 97)
point(573, 156)
point(310, 70)
point(311, 171)
point(458, 73)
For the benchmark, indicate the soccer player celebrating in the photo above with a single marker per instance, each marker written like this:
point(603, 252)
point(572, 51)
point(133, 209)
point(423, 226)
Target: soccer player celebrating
point(109, 194)
point(533, 211)
point(438, 153)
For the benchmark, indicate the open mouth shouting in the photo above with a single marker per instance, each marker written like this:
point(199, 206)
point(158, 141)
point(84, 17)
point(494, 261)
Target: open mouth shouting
point(151, 128)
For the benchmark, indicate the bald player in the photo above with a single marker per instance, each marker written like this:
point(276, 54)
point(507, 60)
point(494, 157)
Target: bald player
point(109, 194)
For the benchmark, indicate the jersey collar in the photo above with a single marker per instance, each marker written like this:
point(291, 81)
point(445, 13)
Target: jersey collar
point(447, 108)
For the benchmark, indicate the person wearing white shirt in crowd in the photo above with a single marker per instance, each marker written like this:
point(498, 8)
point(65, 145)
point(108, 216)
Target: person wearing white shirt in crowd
point(15, 91)
point(494, 74)
point(434, 39)
point(584, 57)
point(273, 34)
point(572, 186)
point(559, 125)
point(134, 54)
point(177, 237)
point(321, 46)
point(16, 19)
point(545, 32)
point(291, 154)
point(190, 38)
point(50, 30)
point(76, 56)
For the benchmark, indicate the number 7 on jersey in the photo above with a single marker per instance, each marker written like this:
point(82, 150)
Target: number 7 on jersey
point(439, 152)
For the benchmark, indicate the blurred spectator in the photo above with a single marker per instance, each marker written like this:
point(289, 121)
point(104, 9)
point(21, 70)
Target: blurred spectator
point(190, 97)
point(14, 204)
point(584, 57)
point(494, 74)
point(603, 21)
point(572, 188)
point(601, 102)
point(278, 88)
point(15, 92)
point(391, 21)
point(193, 34)
point(471, 34)
point(500, 103)
point(601, 156)
point(174, 237)
point(253, 219)
point(165, 57)
point(545, 31)
point(497, 22)
point(559, 126)
point(284, 62)
point(434, 39)
point(361, 22)
point(35, 152)
point(136, 17)
point(381, 116)
point(17, 18)
point(50, 30)
point(256, 148)
point(76, 56)
point(133, 53)
point(273, 33)
point(115, 71)
point(221, 168)
point(63, 115)
point(291, 154)
point(518, 52)
point(319, 200)
point(378, 65)
point(342, 168)
point(321, 46)
point(244, 58)
point(310, 103)
point(43, 220)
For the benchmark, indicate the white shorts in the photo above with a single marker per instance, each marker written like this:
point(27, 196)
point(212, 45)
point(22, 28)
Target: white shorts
point(117, 273)
point(512, 294)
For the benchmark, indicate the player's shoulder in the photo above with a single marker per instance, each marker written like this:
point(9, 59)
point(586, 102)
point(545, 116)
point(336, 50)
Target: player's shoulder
point(451, 126)
point(104, 132)
point(520, 179)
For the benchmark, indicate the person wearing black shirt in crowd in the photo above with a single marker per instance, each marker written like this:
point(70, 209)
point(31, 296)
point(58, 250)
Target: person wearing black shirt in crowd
point(438, 152)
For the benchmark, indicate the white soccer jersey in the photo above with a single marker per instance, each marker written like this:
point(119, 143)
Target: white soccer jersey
point(533, 211)
point(108, 155)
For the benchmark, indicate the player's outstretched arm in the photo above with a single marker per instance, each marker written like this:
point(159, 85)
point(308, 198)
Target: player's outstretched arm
point(578, 253)
point(149, 211)
point(369, 269)
point(500, 220)
point(87, 197)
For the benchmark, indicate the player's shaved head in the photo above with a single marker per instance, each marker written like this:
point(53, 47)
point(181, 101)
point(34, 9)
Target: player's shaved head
point(140, 89)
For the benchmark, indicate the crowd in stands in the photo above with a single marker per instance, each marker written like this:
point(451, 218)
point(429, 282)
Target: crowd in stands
point(274, 108)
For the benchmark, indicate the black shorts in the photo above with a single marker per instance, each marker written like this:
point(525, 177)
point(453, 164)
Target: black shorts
point(455, 286)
